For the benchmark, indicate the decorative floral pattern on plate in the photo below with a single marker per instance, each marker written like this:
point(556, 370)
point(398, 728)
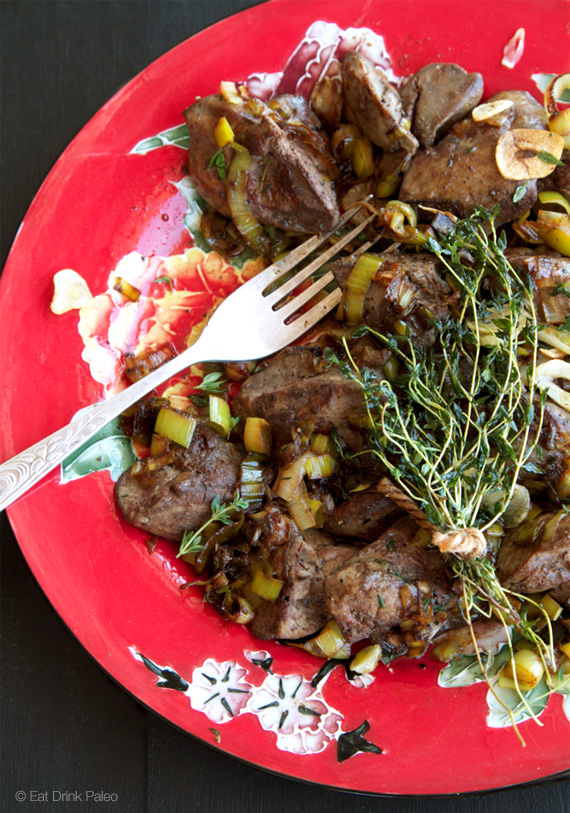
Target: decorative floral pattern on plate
point(290, 706)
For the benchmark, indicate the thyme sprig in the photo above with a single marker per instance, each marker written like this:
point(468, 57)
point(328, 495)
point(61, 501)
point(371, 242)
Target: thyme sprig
point(192, 542)
point(212, 382)
point(456, 424)
point(463, 419)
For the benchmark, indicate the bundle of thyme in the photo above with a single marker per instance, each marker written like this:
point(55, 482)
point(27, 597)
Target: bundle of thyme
point(462, 420)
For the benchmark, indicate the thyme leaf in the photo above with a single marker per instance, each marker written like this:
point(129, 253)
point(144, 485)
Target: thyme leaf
point(192, 542)
point(548, 158)
point(213, 382)
point(219, 163)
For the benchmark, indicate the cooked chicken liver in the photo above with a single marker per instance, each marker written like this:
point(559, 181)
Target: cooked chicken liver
point(301, 561)
point(437, 96)
point(177, 497)
point(526, 112)
point(295, 194)
point(460, 172)
point(548, 271)
point(562, 593)
point(363, 515)
point(363, 595)
point(539, 563)
point(299, 388)
point(406, 287)
point(374, 105)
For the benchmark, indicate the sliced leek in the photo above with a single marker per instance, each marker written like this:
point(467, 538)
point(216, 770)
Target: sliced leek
point(302, 513)
point(289, 479)
point(357, 286)
point(329, 643)
point(322, 444)
point(363, 158)
point(366, 661)
point(175, 426)
point(257, 436)
point(320, 466)
point(267, 587)
point(236, 191)
point(220, 417)
point(252, 487)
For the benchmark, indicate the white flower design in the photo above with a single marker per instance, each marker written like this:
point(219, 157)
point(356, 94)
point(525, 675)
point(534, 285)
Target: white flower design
point(296, 712)
point(219, 690)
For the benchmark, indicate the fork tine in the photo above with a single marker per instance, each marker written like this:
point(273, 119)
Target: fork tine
point(282, 291)
point(306, 320)
point(298, 301)
point(269, 275)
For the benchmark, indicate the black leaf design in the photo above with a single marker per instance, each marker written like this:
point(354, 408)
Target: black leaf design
point(353, 742)
point(265, 664)
point(328, 666)
point(169, 678)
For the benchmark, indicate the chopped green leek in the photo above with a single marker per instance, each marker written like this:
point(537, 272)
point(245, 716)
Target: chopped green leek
point(551, 607)
point(387, 187)
point(363, 158)
point(220, 417)
point(357, 286)
point(160, 461)
point(320, 466)
point(257, 436)
point(329, 643)
point(175, 426)
point(236, 184)
point(322, 444)
point(158, 445)
point(366, 661)
point(252, 598)
point(252, 488)
point(391, 368)
point(290, 478)
point(302, 513)
point(267, 587)
point(318, 512)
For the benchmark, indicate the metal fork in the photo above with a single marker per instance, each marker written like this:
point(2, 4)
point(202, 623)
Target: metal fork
point(253, 322)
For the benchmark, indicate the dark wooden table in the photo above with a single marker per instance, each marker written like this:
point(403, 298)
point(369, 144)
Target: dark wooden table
point(66, 727)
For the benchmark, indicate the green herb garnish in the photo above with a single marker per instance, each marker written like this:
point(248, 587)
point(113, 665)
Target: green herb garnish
point(520, 192)
point(548, 158)
point(219, 163)
point(213, 382)
point(456, 424)
point(221, 512)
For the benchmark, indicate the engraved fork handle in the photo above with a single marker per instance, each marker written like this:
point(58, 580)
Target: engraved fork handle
point(21, 472)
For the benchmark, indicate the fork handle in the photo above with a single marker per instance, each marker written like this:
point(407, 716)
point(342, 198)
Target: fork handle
point(24, 470)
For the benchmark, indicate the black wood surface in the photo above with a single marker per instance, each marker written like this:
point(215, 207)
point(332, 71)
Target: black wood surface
point(66, 727)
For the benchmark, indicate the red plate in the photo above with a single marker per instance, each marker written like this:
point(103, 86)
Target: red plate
point(99, 203)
